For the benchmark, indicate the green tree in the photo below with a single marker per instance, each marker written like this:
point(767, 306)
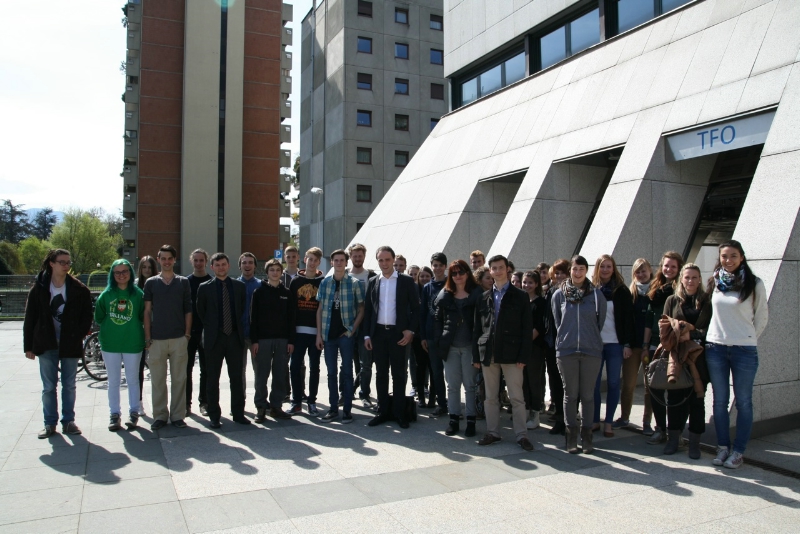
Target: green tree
point(10, 253)
point(86, 237)
point(43, 223)
point(14, 226)
point(32, 251)
point(4, 268)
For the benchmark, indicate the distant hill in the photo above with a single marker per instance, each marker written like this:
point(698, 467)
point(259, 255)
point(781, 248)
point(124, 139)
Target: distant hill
point(33, 211)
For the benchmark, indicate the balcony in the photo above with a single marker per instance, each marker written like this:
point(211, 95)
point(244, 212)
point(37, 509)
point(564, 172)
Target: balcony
point(129, 204)
point(129, 253)
point(131, 120)
point(285, 183)
point(286, 60)
point(134, 13)
point(283, 234)
point(132, 64)
point(287, 13)
point(130, 175)
point(134, 36)
point(286, 110)
point(284, 209)
point(131, 144)
point(286, 133)
point(131, 93)
point(286, 158)
point(129, 229)
point(286, 37)
point(286, 85)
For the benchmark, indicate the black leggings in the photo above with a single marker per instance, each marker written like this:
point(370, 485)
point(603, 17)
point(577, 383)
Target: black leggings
point(697, 413)
point(556, 385)
point(141, 374)
point(677, 412)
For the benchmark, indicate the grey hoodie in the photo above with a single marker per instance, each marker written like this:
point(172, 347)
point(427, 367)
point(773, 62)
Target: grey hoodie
point(578, 326)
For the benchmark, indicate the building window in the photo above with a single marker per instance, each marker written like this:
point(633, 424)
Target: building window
point(494, 78)
point(359, 226)
point(364, 9)
point(400, 15)
point(400, 86)
point(437, 57)
point(437, 91)
point(364, 118)
point(401, 51)
point(365, 45)
point(401, 122)
point(364, 156)
point(400, 158)
point(437, 23)
point(364, 81)
point(434, 122)
point(631, 13)
point(571, 38)
point(363, 193)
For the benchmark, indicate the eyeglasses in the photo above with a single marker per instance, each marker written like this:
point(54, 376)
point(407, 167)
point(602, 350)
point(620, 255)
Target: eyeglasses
point(121, 273)
point(459, 273)
point(63, 263)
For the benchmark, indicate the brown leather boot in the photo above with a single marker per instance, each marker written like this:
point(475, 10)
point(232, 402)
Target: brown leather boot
point(572, 440)
point(586, 440)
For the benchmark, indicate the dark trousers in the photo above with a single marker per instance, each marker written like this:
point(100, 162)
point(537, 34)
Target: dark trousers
point(196, 346)
point(389, 356)
point(142, 361)
point(677, 413)
point(305, 343)
point(356, 368)
point(697, 413)
point(272, 357)
point(556, 384)
point(532, 379)
point(437, 375)
point(423, 368)
point(229, 349)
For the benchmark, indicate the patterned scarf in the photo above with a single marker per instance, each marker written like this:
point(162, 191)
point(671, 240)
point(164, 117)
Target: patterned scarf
point(573, 293)
point(608, 289)
point(729, 281)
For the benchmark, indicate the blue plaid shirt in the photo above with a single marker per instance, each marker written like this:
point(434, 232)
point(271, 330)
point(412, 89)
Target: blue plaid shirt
point(351, 296)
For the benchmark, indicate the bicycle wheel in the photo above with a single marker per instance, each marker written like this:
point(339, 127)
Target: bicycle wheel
point(93, 358)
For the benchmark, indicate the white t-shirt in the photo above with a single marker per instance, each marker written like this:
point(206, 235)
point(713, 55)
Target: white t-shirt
point(609, 331)
point(58, 298)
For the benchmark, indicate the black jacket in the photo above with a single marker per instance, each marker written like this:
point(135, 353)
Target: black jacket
point(407, 305)
point(208, 310)
point(38, 332)
point(541, 312)
point(624, 316)
point(272, 313)
point(449, 317)
point(510, 340)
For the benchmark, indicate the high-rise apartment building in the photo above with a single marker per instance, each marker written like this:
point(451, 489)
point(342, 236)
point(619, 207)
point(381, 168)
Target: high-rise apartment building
point(373, 88)
point(206, 94)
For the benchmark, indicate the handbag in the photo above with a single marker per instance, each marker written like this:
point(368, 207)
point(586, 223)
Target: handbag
point(657, 373)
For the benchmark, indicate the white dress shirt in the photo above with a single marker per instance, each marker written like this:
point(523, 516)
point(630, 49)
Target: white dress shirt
point(387, 300)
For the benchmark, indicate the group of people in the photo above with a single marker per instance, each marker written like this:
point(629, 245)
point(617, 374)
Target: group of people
point(451, 327)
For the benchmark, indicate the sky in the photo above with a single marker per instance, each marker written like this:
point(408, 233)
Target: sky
point(61, 112)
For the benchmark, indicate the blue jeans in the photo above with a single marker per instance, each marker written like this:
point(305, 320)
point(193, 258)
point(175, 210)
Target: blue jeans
point(345, 346)
point(303, 343)
point(741, 362)
point(612, 359)
point(48, 369)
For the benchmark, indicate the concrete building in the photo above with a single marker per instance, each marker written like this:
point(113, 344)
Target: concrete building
point(638, 127)
point(373, 88)
point(207, 90)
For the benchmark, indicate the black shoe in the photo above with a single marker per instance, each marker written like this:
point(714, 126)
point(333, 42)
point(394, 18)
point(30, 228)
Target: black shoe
point(378, 420)
point(133, 421)
point(403, 423)
point(470, 430)
point(440, 410)
point(215, 423)
point(115, 423)
point(158, 423)
point(188, 410)
point(673, 442)
point(242, 420)
point(180, 423)
point(260, 415)
point(558, 428)
point(452, 427)
point(421, 403)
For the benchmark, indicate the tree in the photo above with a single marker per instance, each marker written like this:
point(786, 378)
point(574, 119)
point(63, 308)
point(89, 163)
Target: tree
point(296, 169)
point(14, 226)
point(9, 253)
point(43, 223)
point(86, 237)
point(32, 251)
point(4, 268)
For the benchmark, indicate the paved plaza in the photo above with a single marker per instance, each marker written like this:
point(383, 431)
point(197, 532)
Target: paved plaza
point(307, 476)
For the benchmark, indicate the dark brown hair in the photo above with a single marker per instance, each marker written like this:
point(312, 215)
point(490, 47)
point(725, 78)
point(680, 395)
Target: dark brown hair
point(450, 283)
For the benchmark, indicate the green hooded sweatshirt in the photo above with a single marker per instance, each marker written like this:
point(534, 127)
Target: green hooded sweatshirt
point(120, 314)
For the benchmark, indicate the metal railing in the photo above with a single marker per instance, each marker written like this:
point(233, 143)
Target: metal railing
point(14, 291)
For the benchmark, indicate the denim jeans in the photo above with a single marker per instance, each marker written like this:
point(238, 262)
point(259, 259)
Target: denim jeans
point(114, 361)
point(48, 369)
point(458, 370)
point(305, 343)
point(345, 346)
point(741, 362)
point(612, 359)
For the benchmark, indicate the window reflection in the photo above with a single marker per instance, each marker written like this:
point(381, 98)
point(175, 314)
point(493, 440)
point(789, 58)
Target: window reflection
point(585, 31)
point(553, 47)
point(631, 13)
point(669, 5)
point(469, 91)
point(491, 80)
point(515, 68)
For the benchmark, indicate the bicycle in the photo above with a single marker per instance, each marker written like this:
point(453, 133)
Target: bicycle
point(93, 358)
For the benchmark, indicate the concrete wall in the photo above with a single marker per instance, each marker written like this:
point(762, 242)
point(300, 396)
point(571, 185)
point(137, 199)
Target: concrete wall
point(708, 61)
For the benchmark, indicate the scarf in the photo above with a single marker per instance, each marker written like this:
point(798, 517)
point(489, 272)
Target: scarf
point(642, 289)
point(573, 293)
point(608, 289)
point(726, 281)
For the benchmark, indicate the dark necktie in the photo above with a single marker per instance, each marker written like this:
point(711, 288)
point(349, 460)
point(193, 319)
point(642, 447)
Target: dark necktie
point(227, 323)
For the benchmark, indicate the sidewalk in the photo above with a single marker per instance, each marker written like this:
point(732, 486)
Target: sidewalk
point(307, 476)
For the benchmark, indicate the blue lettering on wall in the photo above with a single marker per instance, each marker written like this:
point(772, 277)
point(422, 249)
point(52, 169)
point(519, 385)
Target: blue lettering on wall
point(715, 134)
point(732, 131)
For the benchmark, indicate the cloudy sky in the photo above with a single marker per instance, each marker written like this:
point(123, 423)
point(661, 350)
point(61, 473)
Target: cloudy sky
point(61, 115)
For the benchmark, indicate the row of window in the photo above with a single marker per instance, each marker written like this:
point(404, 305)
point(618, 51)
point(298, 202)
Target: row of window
point(364, 81)
point(364, 156)
point(400, 15)
point(364, 118)
point(400, 50)
point(555, 44)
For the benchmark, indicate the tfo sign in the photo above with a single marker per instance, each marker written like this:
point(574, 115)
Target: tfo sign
point(721, 136)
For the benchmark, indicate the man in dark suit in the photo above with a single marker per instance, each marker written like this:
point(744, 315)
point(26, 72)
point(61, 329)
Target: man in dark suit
point(220, 304)
point(391, 315)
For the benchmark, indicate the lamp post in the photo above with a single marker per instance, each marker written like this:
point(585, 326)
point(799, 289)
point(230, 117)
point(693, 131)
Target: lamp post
point(321, 226)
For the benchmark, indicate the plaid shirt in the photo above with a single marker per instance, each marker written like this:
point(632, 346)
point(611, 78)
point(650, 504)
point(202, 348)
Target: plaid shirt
point(351, 296)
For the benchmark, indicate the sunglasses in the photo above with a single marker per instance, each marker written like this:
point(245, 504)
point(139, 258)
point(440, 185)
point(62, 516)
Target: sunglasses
point(459, 273)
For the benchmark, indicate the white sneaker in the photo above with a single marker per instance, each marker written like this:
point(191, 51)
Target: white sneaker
point(533, 420)
point(734, 461)
point(722, 455)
